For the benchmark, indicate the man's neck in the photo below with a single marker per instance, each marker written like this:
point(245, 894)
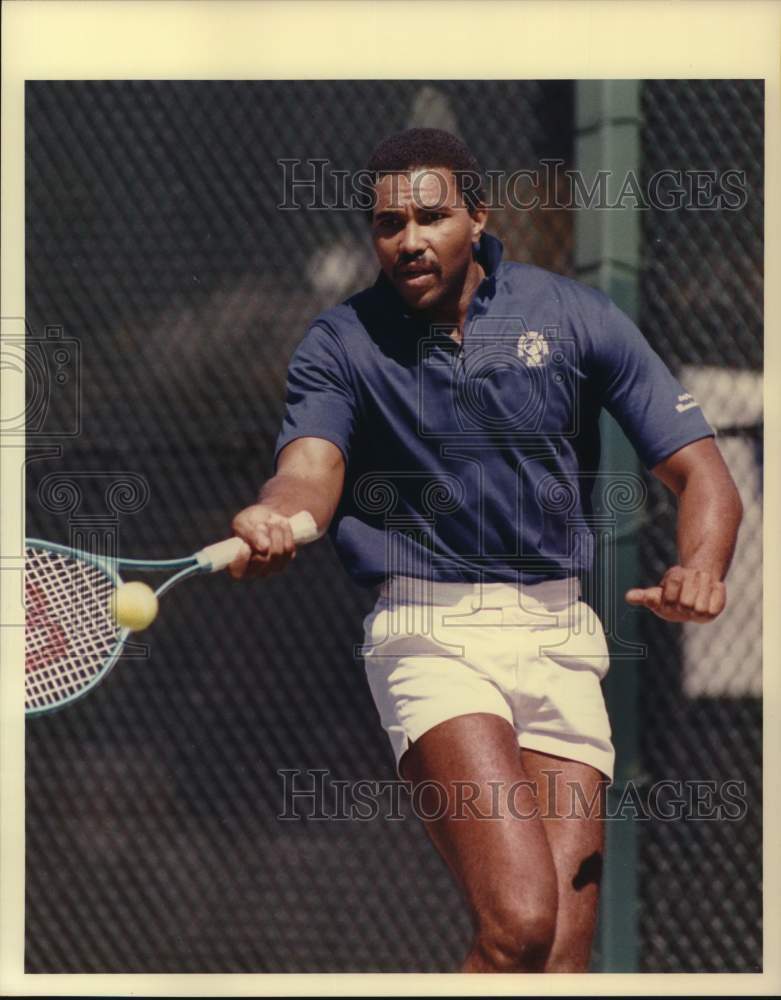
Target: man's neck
point(453, 316)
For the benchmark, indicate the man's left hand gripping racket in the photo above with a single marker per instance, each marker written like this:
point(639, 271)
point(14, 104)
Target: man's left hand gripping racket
point(72, 639)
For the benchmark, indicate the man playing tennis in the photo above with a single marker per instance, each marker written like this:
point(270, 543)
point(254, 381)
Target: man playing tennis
point(442, 425)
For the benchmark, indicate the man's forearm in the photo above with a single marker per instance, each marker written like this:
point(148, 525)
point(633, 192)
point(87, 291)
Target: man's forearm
point(289, 493)
point(709, 514)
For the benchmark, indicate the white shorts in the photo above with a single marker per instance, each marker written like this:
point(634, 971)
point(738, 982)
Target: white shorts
point(532, 654)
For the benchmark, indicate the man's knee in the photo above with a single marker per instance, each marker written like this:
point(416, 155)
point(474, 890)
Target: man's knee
point(517, 938)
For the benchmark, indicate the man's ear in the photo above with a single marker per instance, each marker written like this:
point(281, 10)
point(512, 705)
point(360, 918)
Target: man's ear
point(479, 219)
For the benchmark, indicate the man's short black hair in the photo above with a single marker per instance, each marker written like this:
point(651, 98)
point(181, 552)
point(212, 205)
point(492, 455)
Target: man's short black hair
point(430, 147)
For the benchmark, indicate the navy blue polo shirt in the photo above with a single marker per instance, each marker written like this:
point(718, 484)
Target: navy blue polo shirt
point(480, 461)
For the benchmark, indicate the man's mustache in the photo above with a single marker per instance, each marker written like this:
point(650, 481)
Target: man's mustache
point(416, 265)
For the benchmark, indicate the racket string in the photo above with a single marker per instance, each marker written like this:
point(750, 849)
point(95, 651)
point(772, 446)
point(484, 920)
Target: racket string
point(70, 632)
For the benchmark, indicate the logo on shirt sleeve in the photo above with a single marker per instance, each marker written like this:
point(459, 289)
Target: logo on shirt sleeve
point(533, 349)
point(686, 402)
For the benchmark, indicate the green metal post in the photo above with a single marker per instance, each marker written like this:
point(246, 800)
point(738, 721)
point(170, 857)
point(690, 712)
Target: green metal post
point(607, 255)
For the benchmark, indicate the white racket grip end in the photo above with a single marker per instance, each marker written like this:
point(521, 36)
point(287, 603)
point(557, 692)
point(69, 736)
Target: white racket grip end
point(304, 528)
point(215, 557)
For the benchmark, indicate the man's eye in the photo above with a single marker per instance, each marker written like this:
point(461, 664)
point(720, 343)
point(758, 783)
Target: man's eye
point(434, 216)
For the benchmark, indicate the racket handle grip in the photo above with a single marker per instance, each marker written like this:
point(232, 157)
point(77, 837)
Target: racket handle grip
point(304, 528)
point(216, 557)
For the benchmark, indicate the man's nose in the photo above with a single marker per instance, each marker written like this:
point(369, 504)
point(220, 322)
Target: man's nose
point(411, 239)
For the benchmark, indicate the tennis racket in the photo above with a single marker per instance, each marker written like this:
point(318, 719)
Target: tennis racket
point(71, 639)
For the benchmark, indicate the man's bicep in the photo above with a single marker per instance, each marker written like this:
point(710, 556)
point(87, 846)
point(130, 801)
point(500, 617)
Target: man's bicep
point(311, 457)
point(317, 459)
point(701, 457)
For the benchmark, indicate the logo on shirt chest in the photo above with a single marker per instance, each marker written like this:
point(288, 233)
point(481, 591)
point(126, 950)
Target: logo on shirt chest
point(507, 381)
point(532, 349)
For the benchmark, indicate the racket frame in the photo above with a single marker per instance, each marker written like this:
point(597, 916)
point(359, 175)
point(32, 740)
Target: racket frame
point(210, 559)
point(110, 566)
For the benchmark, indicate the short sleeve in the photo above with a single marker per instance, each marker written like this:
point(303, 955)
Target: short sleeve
point(636, 387)
point(320, 401)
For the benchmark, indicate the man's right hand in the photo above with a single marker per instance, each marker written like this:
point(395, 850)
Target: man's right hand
point(309, 477)
point(269, 540)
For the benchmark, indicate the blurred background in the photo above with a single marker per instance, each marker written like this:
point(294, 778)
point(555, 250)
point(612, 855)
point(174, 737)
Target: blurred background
point(166, 292)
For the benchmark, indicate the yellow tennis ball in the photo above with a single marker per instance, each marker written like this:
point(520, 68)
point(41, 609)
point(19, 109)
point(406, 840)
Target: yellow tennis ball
point(134, 605)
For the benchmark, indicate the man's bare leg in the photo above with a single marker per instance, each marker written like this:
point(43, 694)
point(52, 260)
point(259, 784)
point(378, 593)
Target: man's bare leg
point(574, 827)
point(504, 863)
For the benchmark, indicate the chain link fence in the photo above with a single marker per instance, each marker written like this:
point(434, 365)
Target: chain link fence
point(168, 290)
point(700, 697)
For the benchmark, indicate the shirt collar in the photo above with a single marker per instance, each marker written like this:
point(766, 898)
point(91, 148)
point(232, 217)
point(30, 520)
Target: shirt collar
point(489, 253)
